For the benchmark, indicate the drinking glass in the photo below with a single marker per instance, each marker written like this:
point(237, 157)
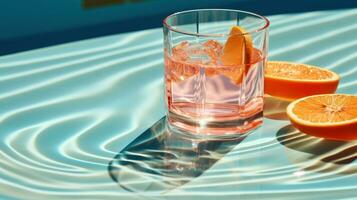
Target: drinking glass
point(205, 95)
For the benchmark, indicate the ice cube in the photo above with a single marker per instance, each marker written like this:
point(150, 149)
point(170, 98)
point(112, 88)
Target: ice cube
point(179, 51)
point(213, 49)
point(197, 54)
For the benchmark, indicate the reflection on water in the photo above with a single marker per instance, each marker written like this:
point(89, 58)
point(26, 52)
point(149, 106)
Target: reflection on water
point(327, 155)
point(161, 159)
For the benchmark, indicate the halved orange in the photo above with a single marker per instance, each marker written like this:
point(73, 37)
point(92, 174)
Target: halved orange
point(331, 116)
point(291, 81)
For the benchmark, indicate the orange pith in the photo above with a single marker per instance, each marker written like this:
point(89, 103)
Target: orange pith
point(332, 116)
point(291, 81)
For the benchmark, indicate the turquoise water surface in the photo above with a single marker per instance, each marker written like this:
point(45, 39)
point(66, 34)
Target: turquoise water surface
point(67, 111)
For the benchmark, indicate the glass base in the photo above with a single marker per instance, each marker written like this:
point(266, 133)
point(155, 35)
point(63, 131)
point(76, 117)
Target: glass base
point(213, 129)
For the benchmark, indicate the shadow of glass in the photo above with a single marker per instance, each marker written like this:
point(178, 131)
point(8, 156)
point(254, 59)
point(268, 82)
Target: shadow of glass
point(161, 160)
point(329, 155)
point(275, 108)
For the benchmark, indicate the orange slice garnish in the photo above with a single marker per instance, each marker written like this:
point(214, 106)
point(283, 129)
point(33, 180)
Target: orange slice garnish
point(238, 48)
point(291, 81)
point(331, 116)
point(237, 51)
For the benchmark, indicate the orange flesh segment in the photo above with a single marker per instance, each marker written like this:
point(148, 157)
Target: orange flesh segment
point(238, 48)
point(327, 109)
point(296, 71)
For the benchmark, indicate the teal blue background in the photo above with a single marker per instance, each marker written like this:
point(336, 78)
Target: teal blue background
point(34, 24)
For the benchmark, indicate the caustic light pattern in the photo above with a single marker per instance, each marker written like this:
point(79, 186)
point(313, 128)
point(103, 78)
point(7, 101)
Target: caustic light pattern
point(66, 111)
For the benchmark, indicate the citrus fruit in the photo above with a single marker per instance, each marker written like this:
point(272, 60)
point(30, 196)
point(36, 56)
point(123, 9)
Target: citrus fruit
point(291, 81)
point(331, 116)
point(237, 52)
point(238, 48)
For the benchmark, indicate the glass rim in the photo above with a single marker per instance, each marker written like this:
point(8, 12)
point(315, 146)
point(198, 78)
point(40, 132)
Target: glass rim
point(265, 26)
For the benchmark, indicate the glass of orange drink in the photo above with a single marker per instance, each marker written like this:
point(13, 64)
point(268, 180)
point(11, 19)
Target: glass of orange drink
point(214, 71)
